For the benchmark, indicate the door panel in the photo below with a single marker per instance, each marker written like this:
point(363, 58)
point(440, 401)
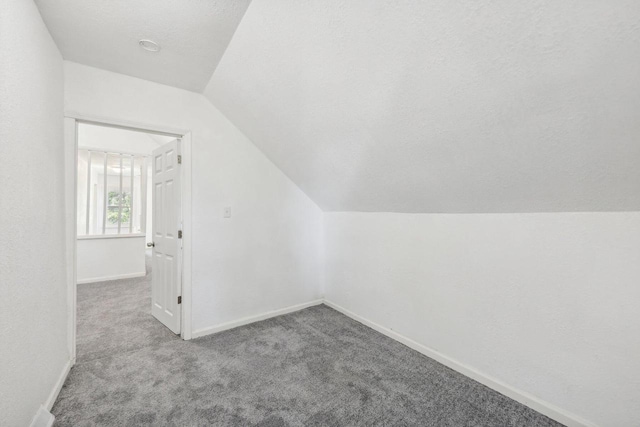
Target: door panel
point(166, 284)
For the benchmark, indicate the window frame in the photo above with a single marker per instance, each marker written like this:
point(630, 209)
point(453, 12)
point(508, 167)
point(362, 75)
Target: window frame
point(145, 158)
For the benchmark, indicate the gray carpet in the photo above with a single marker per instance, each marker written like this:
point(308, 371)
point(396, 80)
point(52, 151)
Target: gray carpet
point(114, 317)
point(315, 367)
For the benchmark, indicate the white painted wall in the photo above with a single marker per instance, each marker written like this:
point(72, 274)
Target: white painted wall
point(268, 255)
point(547, 303)
point(110, 258)
point(33, 308)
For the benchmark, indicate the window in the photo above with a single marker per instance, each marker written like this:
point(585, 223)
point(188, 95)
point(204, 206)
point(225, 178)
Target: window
point(111, 193)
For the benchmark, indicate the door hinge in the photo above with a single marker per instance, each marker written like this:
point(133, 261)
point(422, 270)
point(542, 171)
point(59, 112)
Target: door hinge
point(180, 300)
point(179, 159)
point(179, 234)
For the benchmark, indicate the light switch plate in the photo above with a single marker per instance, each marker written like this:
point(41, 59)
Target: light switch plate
point(227, 212)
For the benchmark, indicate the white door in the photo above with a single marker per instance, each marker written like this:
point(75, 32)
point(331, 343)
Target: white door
point(167, 243)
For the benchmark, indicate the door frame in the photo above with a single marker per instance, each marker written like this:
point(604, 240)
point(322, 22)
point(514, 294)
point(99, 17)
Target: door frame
point(71, 121)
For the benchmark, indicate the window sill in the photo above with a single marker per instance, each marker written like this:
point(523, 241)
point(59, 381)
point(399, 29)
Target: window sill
point(110, 236)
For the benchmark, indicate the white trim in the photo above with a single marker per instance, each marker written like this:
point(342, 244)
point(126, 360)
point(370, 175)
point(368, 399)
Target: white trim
point(143, 185)
point(533, 402)
point(186, 311)
point(119, 198)
point(126, 124)
point(71, 121)
point(42, 418)
point(58, 386)
point(251, 319)
point(105, 188)
point(87, 225)
point(71, 224)
point(115, 277)
point(105, 151)
point(143, 199)
point(111, 236)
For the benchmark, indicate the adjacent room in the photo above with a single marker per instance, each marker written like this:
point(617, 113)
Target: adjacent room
point(320, 213)
point(115, 241)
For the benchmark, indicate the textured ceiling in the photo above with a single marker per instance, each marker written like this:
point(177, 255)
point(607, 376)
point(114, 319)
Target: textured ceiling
point(442, 106)
point(193, 35)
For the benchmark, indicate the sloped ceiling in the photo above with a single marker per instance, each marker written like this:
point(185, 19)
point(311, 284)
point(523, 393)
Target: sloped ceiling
point(193, 36)
point(442, 106)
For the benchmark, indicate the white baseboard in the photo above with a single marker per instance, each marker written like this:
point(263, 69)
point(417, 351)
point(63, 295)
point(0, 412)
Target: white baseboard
point(525, 398)
point(116, 277)
point(251, 319)
point(533, 402)
point(44, 418)
point(58, 386)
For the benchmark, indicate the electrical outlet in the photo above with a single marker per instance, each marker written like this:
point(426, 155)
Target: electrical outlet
point(227, 212)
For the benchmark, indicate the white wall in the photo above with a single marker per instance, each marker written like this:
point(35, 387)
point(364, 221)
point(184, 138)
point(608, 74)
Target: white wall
point(110, 258)
point(267, 256)
point(547, 303)
point(33, 311)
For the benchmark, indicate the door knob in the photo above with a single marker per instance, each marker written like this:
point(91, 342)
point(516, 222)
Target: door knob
point(150, 245)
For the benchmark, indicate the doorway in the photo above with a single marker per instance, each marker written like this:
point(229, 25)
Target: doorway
point(129, 231)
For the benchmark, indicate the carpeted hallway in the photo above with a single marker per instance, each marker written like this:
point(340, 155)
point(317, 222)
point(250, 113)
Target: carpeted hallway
point(315, 367)
point(114, 317)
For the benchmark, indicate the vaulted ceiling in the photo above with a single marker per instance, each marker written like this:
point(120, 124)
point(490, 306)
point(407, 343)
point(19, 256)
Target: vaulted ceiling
point(414, 106)
point(442, 106)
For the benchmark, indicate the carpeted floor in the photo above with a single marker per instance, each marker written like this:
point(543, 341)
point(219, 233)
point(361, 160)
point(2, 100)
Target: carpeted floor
point(114, 317)
point(315, 367)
